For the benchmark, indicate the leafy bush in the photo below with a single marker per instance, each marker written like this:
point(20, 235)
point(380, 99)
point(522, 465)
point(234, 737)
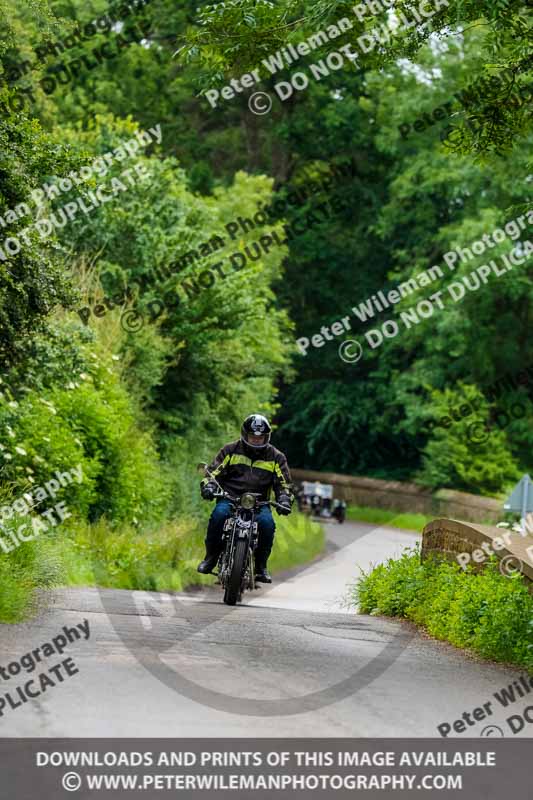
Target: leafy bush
point(82, 415)
point(453, 459)
point(31, 280)
point(484, 611)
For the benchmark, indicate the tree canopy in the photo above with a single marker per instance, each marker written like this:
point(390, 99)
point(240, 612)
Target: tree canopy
point(359, 183)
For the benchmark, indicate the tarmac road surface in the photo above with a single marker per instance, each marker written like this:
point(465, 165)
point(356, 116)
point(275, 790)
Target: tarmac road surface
point(292, 660)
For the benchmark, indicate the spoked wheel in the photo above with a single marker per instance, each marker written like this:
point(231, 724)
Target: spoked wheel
point(251, 571)
point(233, 587)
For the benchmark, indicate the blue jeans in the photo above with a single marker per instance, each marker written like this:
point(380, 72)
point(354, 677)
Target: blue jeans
point(265, 524)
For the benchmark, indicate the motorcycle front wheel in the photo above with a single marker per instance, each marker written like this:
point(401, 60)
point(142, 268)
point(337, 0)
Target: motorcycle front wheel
point(233, 586)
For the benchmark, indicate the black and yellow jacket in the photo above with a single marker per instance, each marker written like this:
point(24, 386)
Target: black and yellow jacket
point(238, 469)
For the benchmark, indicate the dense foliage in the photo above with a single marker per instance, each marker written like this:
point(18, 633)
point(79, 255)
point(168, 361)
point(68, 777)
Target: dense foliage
point(487, 612)
point(456, 176)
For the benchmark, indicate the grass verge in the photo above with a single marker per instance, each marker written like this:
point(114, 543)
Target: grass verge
point(34, 565)
point(298, 540)
point(166, 559)
point(394, 519)
point(485, 612)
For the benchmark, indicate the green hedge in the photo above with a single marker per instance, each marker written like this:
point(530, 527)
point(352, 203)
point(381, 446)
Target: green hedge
point(484, 611)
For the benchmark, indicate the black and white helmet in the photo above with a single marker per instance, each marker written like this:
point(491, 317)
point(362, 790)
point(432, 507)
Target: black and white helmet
point(257, 425)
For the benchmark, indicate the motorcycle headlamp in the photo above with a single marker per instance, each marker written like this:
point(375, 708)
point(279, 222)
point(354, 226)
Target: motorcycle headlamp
point(248, 500)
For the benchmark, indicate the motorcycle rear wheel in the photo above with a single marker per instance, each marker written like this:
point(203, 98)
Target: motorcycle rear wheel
point(233, 587)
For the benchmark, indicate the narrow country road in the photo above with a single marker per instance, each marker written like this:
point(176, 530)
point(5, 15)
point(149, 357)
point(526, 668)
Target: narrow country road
point(292, 661)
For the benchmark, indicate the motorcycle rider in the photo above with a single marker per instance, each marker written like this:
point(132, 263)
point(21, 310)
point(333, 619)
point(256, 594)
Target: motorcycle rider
point(250, 464)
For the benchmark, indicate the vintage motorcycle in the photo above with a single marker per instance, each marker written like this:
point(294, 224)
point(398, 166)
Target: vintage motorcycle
point(239, 538)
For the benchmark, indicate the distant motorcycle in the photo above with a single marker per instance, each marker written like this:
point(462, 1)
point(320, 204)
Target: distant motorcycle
point(236, 561)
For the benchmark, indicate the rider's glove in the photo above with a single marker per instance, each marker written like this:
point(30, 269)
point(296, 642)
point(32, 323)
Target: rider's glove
point(208, 490)
point(285, 502)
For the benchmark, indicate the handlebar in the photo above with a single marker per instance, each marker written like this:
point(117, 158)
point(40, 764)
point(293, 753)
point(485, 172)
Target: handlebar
point(222, 493)
point(259, 503)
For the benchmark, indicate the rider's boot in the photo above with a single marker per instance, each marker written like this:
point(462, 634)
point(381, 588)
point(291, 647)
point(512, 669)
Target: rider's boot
point(261, 574)
point(211, 557)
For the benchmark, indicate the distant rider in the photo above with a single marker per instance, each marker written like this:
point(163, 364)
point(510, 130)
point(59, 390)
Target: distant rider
point(250, 464)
